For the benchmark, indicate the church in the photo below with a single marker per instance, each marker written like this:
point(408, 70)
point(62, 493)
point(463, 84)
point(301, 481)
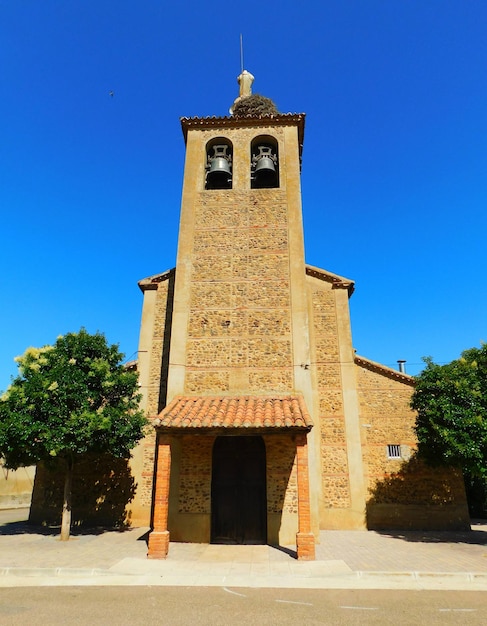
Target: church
point(267, 426)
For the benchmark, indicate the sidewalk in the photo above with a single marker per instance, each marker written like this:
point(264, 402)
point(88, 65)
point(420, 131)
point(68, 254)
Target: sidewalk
point(32, 556)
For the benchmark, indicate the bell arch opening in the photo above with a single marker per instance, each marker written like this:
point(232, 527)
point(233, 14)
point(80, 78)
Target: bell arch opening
point(219, 164)
point(264, 163)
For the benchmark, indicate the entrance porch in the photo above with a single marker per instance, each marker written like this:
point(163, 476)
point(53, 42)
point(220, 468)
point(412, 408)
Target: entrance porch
point(232, 470)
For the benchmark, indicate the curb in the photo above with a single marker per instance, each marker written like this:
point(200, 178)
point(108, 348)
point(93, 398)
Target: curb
point(60, 576)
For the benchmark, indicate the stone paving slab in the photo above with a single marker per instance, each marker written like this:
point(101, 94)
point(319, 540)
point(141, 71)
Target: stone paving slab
point(345, 559)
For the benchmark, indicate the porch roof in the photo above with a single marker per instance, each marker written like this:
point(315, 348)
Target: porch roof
point(229, 412)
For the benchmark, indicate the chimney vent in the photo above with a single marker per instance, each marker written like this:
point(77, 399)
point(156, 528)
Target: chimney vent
point(402, 365)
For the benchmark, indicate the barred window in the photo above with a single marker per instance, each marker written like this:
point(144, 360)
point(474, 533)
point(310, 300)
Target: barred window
point(393, 451)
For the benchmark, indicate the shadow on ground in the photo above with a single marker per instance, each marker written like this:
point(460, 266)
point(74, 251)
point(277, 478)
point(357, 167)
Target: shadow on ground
point(15, 522)
point(476, 536)
point(25, 528)
point(289, 551)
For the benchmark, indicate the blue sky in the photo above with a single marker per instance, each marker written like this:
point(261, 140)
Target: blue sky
point(394, 163)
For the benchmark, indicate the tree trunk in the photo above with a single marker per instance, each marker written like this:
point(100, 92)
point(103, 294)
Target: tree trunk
point(66, 519)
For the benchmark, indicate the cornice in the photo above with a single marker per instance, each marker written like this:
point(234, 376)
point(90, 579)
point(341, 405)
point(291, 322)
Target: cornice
point(282, 119)
point(383, 369)
point(151, 282)
point(338, 282)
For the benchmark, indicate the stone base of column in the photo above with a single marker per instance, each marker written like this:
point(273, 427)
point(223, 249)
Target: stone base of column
point(158, 545)
point(305, 544)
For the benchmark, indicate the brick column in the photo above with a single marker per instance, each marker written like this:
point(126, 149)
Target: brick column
point(305, 539)
point(159, 537)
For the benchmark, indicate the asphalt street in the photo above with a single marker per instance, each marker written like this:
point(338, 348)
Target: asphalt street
point(180, 606)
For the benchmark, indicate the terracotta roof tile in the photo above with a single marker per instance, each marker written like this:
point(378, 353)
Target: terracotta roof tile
point(235, 412)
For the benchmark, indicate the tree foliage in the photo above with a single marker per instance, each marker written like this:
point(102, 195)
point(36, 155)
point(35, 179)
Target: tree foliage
point(68, 399)
point(451, 402)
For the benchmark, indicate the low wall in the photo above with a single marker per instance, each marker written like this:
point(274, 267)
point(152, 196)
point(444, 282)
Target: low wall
point(16, 487)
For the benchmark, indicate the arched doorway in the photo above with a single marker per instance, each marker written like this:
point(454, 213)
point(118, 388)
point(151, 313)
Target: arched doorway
point(238, 491)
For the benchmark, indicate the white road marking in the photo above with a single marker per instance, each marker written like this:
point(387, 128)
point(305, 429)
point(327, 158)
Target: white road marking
point(457, 610)
point(361, 608)
point(234, 592)
point(292, 602)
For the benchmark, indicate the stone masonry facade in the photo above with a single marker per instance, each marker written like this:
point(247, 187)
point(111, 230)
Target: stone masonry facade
point(333, 438)
point(228, 321)
point(399, 490)
point(240, 322)
point(243, 317)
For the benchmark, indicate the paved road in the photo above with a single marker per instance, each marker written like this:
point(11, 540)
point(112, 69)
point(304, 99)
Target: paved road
point(177, 606)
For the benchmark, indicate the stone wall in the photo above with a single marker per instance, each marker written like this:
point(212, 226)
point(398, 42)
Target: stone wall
point(239, 291)
point(103, 488)
point(282, 494)
point(403, 493)
point(16, 487)
point(159, 357)
point(333, 441)
point(240, 315)
point(232, 324)
point(195, 474)
point(399, 492)
point(157, 363)
point(282, 489)
point(386, 417)
point(190, 508)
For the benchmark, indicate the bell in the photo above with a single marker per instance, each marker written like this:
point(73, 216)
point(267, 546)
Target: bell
point(220, 174)
point(265, 172)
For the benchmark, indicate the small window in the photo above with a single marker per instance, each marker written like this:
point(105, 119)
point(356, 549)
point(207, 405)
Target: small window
point(218, 165)
point(393, 451)
point(264, 163)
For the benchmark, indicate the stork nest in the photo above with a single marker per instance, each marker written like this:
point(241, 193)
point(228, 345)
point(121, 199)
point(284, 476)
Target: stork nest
point(254, 106)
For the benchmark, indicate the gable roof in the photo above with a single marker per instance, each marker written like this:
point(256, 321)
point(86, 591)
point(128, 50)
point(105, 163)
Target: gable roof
point(235, 412)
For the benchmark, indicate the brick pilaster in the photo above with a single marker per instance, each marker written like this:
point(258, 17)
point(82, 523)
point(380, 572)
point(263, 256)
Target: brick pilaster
point(305, 539)
point(159, 537)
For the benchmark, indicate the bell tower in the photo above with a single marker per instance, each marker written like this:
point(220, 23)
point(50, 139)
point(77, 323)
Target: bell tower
point(237, 363)
point(240, 322)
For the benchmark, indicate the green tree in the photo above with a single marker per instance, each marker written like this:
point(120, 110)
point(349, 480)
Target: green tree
point(451, 403)
point(68, 399)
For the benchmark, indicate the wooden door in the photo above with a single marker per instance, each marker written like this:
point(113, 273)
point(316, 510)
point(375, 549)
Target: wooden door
point(238, 491)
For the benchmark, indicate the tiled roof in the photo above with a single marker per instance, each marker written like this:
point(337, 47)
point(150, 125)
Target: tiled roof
point(235, 412)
